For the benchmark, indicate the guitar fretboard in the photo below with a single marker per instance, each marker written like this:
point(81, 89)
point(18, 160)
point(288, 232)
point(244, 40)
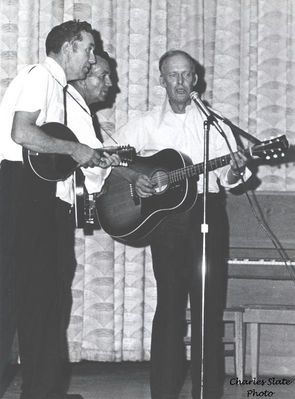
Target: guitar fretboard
point(198, 169)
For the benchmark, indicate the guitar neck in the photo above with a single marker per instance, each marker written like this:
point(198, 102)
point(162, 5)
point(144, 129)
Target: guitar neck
point(126, 153)
point(198, 169)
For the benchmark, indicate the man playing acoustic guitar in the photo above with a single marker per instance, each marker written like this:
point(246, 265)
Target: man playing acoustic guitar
point(176, 244)
point(37, 213)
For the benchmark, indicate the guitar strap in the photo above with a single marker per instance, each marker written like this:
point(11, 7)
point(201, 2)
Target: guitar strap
point(65, 104)
point(75, 174)
point(65, 92)
point(96, 127)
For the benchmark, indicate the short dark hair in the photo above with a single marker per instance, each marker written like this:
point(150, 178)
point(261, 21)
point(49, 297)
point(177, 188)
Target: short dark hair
point(65, 32)
point(171, 53)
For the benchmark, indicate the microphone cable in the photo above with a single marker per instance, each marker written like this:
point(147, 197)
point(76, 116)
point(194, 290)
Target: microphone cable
point(253, 202)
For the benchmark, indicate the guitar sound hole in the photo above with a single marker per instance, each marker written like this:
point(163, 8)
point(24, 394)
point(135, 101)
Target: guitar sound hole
point(161, 181)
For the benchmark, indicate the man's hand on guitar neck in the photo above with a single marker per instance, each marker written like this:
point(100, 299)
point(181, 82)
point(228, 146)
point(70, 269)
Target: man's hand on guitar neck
point(109, 160)
point(85, 156)
point(88, 157)
point(26, 133)
point(142, 184)
point(237, 167)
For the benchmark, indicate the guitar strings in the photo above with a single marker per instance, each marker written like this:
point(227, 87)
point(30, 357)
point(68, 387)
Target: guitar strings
point(190, 170)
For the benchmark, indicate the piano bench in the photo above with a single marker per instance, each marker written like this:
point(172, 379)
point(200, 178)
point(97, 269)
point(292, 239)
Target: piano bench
point(230, 315)
point(255, 315)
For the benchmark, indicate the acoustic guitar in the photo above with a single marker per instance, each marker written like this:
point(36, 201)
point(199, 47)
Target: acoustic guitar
point(130, 219)
point(56, 167)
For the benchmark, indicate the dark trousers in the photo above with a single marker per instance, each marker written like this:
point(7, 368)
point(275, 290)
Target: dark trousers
point(10, 178)
point(177, 260)
point(45, 265)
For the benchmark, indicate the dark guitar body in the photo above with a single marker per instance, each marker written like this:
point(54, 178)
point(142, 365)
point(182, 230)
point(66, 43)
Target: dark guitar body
point(52, 167)
point(129, 218)
point(55, 167)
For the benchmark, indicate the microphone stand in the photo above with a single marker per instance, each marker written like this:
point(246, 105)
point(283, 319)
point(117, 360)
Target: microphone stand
point(204, 231)
point(209, 120)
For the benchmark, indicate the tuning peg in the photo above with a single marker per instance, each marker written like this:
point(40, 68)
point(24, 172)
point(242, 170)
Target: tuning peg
point(123, 163)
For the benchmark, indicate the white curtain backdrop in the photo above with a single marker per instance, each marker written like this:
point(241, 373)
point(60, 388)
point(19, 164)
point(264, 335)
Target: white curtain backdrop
point(247, 49)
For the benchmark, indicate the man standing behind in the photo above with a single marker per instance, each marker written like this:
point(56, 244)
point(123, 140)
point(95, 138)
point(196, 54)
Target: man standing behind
point(80, 95)
point(43, 229)
point(176, 244)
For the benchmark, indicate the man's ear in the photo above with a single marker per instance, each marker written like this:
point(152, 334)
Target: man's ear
point(66, 47)
point(195, 81)
point(162, 81)
point(69, 47)
point(74, 45)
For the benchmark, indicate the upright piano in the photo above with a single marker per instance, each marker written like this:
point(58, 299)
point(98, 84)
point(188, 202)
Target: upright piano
point(252, 254)
point(258, 275)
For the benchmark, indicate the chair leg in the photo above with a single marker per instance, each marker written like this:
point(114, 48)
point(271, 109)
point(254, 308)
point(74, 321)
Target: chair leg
point(254, 344)
point(239, 345)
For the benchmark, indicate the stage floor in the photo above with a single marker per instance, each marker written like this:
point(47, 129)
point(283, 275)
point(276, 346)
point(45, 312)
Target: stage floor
point(130, 381)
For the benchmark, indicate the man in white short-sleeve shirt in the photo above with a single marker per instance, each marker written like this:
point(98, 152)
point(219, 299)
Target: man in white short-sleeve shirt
point(40, 230)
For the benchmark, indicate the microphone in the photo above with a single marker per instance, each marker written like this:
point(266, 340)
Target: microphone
point(210, 115)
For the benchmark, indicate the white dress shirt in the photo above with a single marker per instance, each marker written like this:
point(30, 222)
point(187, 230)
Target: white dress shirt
point(36, 88)
point(162, 128)
point(33, 89)
point(80, 122)
point(40, 87)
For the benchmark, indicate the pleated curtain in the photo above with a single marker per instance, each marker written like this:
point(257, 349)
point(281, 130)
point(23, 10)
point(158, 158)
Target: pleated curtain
point(248, 50)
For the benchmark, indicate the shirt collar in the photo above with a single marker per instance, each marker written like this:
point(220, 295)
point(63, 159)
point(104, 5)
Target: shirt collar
point(56, 70)
point(166, 108)
point(77, 96)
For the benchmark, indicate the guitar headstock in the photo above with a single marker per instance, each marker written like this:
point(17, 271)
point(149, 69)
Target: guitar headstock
point(274, 148)
point(127, 154)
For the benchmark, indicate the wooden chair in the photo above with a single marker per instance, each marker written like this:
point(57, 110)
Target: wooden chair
point(255, 315)
point(230, 315)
